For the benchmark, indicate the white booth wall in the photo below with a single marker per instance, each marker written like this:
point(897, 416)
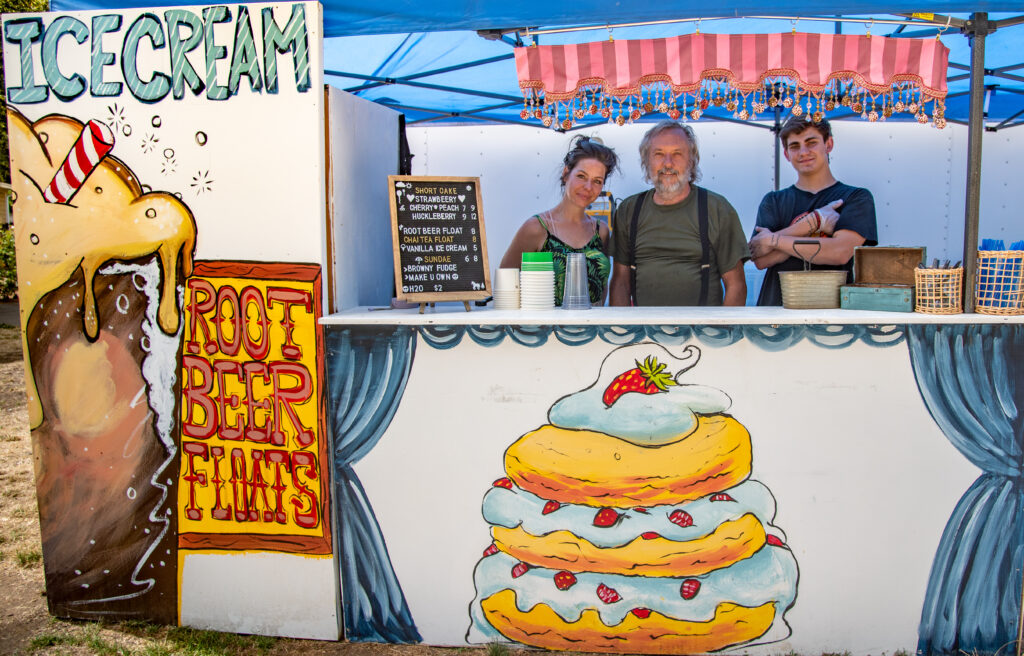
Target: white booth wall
point(917, 174)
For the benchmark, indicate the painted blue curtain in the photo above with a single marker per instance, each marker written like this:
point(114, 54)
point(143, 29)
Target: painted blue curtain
point(971, 378)
point(367, 370)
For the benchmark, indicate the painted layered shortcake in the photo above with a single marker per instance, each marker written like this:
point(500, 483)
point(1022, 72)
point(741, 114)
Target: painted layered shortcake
point(629, 523)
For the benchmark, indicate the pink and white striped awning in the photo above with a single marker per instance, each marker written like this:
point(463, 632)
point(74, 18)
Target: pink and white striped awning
point(874, 76)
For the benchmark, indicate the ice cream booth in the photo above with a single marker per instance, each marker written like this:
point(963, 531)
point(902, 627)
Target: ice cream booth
point(234, 430)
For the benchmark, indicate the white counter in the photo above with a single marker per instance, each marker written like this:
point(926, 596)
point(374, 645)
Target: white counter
point(455, 314)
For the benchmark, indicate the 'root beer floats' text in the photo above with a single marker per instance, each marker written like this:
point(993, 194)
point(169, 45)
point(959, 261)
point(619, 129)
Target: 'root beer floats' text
point(249, 438)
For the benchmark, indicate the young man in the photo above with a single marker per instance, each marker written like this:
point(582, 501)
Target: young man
point(666, 259)
point(818, 208)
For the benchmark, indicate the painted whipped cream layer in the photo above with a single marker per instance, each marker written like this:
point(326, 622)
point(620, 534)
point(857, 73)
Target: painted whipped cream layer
point(645, 419)
point(512, 507)
point(770, 575)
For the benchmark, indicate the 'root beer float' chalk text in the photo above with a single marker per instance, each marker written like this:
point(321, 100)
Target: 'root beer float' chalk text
point(248, 409)
point(180, 34)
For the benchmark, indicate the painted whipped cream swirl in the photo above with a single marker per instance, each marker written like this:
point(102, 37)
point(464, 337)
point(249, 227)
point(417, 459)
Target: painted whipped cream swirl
point(644, 419)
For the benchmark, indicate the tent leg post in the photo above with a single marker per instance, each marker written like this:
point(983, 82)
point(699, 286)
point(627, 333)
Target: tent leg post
point(775, 132)
point(977, 28)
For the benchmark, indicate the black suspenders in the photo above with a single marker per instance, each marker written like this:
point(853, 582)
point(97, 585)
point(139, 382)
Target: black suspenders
point(705, 244)
point(632, 245)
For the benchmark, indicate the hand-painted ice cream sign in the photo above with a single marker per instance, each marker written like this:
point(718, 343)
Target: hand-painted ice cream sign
point(174, 392)
point(252, 444)
point(154, 57)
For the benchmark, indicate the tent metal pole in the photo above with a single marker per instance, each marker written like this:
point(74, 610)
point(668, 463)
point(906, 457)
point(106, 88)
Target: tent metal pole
point(778, 146)
point(977, 28)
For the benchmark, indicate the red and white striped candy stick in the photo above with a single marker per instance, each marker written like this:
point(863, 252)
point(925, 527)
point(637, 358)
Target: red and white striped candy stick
point(92, 145)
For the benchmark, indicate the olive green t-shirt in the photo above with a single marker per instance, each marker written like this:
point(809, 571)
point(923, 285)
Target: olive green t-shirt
point(668, 248)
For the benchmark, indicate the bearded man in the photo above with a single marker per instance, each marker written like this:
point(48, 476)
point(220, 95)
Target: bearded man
point(676, 244)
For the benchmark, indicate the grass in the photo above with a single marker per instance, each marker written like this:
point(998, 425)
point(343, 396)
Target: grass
point(140, 628)
point(100, 646)
point(161, 640)
point(498, 649)
point(196, 642)
point(51, 640)
point(28, 558)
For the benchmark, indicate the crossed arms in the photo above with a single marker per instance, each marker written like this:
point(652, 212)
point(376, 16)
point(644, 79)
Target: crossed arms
point(769, 248)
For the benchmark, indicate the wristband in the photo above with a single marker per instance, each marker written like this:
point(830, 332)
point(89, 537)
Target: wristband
point(816, 225)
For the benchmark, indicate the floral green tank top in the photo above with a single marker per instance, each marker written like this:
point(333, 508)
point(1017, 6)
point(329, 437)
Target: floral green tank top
point(598, 263)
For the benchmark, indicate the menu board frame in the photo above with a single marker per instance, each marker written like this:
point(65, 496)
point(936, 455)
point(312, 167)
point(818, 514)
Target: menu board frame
point(396, 234)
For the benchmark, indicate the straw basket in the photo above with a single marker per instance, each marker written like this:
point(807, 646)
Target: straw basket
point(938, 291)
point(810, 290)
point(807, 290)
point(1000, 283)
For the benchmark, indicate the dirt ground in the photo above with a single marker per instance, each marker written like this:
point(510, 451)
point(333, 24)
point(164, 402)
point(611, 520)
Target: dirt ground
point(25, 625)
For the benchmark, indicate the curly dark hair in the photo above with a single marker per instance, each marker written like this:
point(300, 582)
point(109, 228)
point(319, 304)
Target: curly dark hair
point(584, 147)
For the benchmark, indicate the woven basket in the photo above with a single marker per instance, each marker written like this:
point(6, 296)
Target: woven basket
point(811, 290)
point(999, 287)
point(938, 291)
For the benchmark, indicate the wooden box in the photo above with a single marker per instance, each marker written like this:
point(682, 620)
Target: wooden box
point(888, 298)
point(886, 265)
point(883, 279)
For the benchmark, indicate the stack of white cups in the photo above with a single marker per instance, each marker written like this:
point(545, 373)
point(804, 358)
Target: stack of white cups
point(537, 282)
point(506, 289)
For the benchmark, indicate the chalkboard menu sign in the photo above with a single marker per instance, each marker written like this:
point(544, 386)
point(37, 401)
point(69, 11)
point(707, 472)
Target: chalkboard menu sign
point(437, 224)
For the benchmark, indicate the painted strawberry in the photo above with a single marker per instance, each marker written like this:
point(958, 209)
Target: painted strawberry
point(648, 377)
point(606, 594)
point(491, 550)
point(642, 613)
point(564, 580)
point(606, 517)
point(774, 540)
point(721, 496)
point(550, 507)
point(519, 570)
point(650, 535)
point(681, 517)
point(689, 588)
point(503, 482)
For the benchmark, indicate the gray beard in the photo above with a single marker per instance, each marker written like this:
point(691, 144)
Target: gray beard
point(666, 188)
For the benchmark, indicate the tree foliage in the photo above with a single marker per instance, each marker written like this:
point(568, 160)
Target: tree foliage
point(8, 266)
point(11, 7)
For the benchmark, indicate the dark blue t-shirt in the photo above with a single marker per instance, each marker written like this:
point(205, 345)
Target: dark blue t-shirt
point(779, 208)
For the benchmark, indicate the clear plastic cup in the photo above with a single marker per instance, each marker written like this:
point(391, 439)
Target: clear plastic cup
point(576, 295)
